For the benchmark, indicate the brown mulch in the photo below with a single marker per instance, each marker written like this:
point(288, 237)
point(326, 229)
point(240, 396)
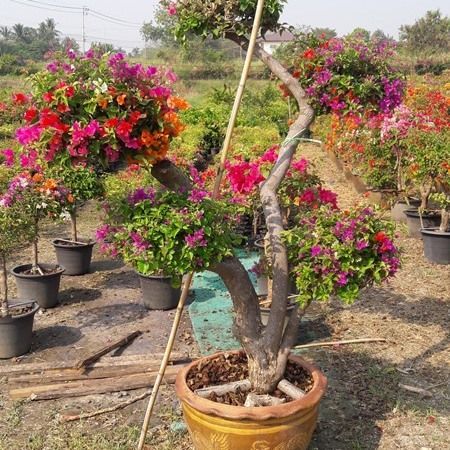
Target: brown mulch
point(232, 367)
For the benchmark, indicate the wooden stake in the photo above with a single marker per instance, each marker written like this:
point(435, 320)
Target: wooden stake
point(333, 343)
point(68, 241)
point(165, 360)
point(253, 400)
point(290, 389)
point(66, 418)
point(103, 351)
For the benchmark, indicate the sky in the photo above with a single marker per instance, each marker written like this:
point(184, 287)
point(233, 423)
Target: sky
point(121, 28)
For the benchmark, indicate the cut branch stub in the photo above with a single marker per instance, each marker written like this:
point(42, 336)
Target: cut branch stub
point(223, 389)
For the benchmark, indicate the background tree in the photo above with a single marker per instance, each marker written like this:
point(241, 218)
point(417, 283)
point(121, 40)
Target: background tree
point(430, 34)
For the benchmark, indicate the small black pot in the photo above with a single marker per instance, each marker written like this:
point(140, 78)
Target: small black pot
point(41, 288)
point(436, 245)
point(16, 333)
point(158, 292)
point(429, 219)
point(398, 210)
point(75, 258)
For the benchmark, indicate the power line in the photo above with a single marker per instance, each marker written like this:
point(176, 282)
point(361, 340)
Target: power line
point(114, 18)
point(44, 8)
point(55, 5)
point(109, 20)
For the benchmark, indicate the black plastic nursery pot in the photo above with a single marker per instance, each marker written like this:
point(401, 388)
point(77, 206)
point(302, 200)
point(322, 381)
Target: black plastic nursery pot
point(158, 292)
point(436, 245)
point(74, 257)
point(41, 288)
point(16, 333)
point(398, 210)
point(429, 220)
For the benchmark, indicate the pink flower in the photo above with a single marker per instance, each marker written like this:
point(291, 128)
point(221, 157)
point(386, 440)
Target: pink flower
point(197, 195)
point(8, 155)
point(28, 134)
point(172, 9)
point(196, 239)
point(301, 165)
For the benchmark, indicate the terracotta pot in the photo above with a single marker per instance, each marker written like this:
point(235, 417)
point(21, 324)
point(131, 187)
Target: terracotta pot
point(282, 427)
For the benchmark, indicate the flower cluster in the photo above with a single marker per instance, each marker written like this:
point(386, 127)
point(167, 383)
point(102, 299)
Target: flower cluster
point(168, 233)
point(98, 110)
point(343, 75)
point(339, 253)
point(40, 196)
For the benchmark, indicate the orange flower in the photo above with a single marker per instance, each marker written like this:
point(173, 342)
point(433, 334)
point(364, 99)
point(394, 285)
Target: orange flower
point(103, 103)
point(147, 138)
point(37, 178)
point(50, 184)
point(178, 103)
point(121, 99)
point(70, 198)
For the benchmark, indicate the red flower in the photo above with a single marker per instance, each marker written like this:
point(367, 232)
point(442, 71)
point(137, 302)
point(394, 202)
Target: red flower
point(30, 114)
point(62, 108)
point(134, 117)
point(70, 91)
point(124, 128)
point(309, 53)
point(112, 123)
point(48, 97)
point(19, 98)
point(380, 236)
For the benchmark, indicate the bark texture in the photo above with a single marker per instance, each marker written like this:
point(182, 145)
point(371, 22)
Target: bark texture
point(267, 347)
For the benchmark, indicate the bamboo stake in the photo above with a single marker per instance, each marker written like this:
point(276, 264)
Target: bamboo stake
point(330, 344)
point(238, 98)
point(165, 361)
point(220, 173)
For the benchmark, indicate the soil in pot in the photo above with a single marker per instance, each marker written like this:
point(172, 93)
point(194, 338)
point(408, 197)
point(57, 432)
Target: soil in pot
point(16, 331)
point(75, 257)
point(158, 292)
point(429, 220)
point(41, 288)
point(436, 245)
point(223, 425)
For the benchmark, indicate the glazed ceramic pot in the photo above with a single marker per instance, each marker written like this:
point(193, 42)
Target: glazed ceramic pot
point(288, 426)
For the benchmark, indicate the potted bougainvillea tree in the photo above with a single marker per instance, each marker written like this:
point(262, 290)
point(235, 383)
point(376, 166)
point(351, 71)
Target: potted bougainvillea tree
point(41, 197)
point(85, 184)
point(16, 318)
point(265, 361)
point(91, 113)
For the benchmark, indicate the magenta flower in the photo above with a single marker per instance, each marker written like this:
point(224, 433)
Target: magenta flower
point(300, 165)
point(196, 239)
point(28, 134)
point(8, 155)
point(172, 9)
point(197, 195)
point(316, 250)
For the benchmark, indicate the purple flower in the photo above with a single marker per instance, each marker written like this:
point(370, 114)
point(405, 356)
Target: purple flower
point(27, 135)
point(316, 250)
point(139, 242)
point(8, 155)
point(361, 244)
point(196, 239)
point(197, 195)
point(342, 279)
point(141, 194)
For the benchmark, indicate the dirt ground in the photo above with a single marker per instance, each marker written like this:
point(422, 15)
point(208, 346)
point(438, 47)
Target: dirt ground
point(365, 406)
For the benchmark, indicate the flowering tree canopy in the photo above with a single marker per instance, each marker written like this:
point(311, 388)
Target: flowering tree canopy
point(99, 109)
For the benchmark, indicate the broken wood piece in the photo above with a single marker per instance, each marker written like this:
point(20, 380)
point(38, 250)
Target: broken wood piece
point(254, 400)
point(416, 390)
point(286, 387)
point(103, 351)
point(91, 387)
point(17, 369)
point(333, 343)
point(130, 401)
point(222, 389)
point(93, 372)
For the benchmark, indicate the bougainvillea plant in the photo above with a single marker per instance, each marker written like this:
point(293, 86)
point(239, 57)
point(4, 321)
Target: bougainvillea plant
point(40, 197)
point(16, 230)
point(335, 253)
point(344, 75)
point(98, 109)
point(168, 233)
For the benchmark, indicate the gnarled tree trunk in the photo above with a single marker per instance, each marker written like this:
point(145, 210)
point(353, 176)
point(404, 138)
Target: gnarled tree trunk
point(267, 347)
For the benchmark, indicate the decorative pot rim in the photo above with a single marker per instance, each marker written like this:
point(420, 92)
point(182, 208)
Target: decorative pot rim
point(414, 212)
point(262, 413)
point(434, 231)
point(154, 277)
point(21, 316)
point(59, 271)
point(78, 244)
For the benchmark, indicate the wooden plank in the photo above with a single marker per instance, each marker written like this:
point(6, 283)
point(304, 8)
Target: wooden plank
point(60, 375)
point(91, 387)
point(104, 350)
point(123, 360)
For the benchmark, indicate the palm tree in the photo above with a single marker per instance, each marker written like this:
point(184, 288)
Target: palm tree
point(6, 33)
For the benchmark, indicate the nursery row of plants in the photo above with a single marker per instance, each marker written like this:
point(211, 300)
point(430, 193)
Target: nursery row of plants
point(97, 127)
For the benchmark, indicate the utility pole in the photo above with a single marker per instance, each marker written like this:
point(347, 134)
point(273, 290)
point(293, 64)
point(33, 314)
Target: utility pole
point(83, 29)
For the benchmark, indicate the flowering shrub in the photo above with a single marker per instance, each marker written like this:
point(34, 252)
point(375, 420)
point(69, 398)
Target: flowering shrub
point(338, 253)
point(168, 233)
point(94, 110)
point(343, 75)
point(38, 197)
